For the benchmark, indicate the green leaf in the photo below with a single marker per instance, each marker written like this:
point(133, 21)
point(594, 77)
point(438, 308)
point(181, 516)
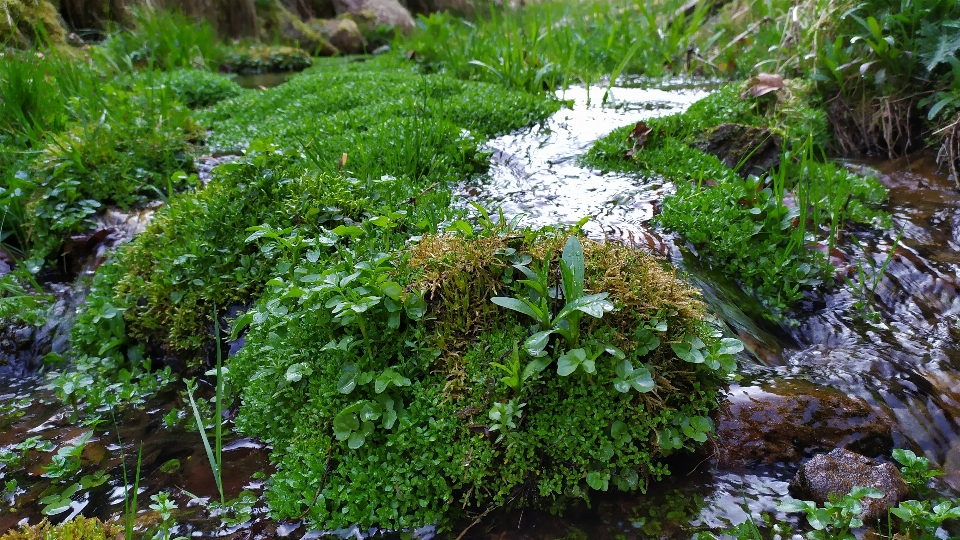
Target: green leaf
point(687, 352)
point(351, 230)
point(730, 346)
point(569, 361)
point(594, 305)
point(572, 269)
point(869, 492)
point(392, 290)
point(348, 378)
point(794, 505)
point(598, 481)
point(415, 306)
point(646, 341)
point(356, 440)
point(537, 342)
point(519, 305)
point(641, 380)
point(298, 371)
point(534, 367)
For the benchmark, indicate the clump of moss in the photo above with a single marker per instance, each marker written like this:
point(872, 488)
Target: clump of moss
point(266, 59)
point(79, 528)
point(431, 363)
point(198, 88)
point(30, 23)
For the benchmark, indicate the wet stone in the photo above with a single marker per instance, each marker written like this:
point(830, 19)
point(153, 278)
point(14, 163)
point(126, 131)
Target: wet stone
point(841, 470)
point(749, 150)
point(795, 419)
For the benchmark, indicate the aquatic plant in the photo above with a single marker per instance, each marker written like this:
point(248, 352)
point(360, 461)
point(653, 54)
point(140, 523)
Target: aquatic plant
point(373, 398)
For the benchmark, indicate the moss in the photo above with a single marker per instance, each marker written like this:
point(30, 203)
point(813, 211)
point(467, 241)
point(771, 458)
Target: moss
point(574, 431)
point(170, 276)
point(79, 528)
point(278, 23)
point(266, 59)
point(30, 23)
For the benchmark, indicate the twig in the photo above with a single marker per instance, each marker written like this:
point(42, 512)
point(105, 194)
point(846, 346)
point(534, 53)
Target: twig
point(481, 516)
point(413, 200)
point(323, 481)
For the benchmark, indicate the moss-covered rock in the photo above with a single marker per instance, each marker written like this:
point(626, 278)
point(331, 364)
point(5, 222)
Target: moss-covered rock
point(29, 23)
point(387, 13)
point(344, 34)
point(278, 22)
point(265, 59)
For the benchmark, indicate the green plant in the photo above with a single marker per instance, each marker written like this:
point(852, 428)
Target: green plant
point(566, 321)
point(163, 40)
point(865, 288)
point(916, 469)
point(835, 519)
point(164, 505)
point(922, 519)
point(67, 459)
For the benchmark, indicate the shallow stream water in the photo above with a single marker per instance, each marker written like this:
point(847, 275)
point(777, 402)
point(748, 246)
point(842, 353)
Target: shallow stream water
point(830, 374)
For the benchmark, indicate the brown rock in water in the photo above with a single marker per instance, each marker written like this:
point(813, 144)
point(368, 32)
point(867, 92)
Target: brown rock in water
point(841, 470)
point(795, 419)
point(749, 150)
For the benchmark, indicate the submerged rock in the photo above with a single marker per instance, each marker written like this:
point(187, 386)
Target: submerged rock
point(841, 470)
point(749, 150)
point(795, 419)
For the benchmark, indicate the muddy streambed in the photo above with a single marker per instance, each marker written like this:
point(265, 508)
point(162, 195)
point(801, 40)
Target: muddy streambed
point(830, 380)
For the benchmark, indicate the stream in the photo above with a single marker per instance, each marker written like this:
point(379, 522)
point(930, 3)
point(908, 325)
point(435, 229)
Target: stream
point(829, 380)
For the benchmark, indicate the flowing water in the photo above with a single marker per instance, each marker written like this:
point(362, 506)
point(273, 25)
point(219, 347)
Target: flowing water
point(830, 379)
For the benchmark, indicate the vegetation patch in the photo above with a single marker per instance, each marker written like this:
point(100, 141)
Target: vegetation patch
point(399, 140)
point(79, 528)
point(265, 59)
point(463, 373)
point(751, 228)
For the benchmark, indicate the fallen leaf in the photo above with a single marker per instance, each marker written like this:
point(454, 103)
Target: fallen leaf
point(343, 161)
point(638, 135)
point(762, 84)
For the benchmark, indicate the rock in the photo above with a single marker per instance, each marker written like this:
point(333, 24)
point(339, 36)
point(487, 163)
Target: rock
point(755, 150)
point(21, 21)
point(383, 12)
point(344, 34)
point(295, 31)
point(795, 419)
point(841, 470)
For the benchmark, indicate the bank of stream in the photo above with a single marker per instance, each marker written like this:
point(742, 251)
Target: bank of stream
point(831, 378)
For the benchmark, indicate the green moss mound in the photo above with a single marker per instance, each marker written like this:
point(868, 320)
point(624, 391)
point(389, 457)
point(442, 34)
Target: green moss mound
point(401, 413)
point(79, 528)
point(399, 138)
point(750, 228)
point(266, 59)
point(198, 88)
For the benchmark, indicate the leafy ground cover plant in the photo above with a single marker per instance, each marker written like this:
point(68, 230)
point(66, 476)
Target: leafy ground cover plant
point(385, 355)
point(265, 59)
point(403, 146)
point(751, 228)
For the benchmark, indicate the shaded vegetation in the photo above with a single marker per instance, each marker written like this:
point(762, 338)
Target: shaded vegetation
point(758, 230)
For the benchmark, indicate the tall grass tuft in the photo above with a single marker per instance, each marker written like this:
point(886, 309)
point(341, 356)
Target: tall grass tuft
point(164, 40)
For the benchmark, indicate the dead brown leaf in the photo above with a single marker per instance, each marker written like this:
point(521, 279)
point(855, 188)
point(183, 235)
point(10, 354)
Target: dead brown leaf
point(762, 84)
point(638, 135)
